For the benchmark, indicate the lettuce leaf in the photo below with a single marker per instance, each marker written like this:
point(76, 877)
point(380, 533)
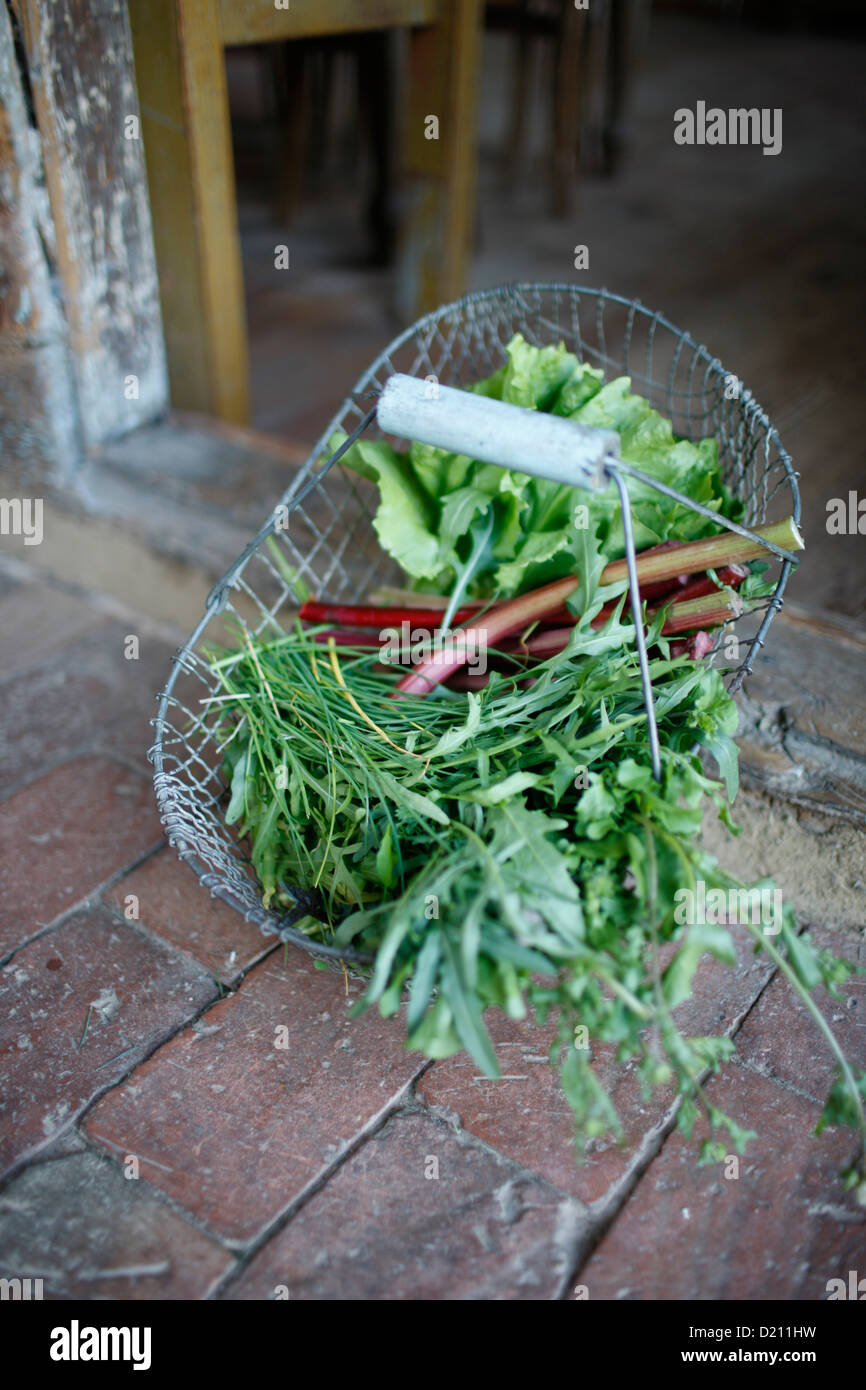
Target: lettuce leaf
point(430, 499)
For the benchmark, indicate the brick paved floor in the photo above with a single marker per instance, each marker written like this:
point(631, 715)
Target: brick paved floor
point(156, 1142)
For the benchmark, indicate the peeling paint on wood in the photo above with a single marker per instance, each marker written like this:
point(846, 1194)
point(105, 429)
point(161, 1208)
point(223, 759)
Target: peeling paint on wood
point(39, 431)
point(81, 75)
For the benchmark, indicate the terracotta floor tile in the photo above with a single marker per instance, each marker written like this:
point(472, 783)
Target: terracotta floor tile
point(416, 1214)
point(64, 835)
point(78, 1007)
point(90, 1233)
point(38, 620)
point(778, 1231)
point(87, 698)
point(527, 1116)
point(239, 1125)
point(172, 903)
point(781, 1040)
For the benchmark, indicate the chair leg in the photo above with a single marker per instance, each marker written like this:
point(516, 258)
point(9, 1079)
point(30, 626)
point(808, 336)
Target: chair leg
point(521, 61)
point(567, 95)
point(596, 78)
point(629, 21)
point(375, 93)
point(290, 68)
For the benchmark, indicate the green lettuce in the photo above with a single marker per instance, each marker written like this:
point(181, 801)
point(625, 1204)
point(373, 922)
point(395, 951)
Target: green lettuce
point(432, 503)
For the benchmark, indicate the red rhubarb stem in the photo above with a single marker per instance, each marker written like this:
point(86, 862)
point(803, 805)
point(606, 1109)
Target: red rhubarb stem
point(373, 616)
point(500, 622)
point(702, 612)
point(661, 570)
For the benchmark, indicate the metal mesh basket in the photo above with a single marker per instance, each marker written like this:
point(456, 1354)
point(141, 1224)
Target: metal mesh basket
point(330, 544)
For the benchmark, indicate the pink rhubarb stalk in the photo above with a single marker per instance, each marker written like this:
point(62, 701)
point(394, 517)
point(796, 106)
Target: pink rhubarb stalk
point(500, 622)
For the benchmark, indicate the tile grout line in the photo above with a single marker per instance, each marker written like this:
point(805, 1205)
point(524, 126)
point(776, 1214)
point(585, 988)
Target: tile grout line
point(93, 1144)
point(602, 1214)
point(88, 1147)
point(596, 1217)
point(247, 1252)
point(242, 1251)
point(607, 1209)
point(777, 1081)
point(74, 1120)
point(467, 1139)
point(92, 899)
point(226, 986)
point(403, 1103)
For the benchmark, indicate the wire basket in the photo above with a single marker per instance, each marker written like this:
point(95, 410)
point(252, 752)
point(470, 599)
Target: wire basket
point(326, 540)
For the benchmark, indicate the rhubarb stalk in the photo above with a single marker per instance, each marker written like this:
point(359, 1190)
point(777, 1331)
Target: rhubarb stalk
point(373, 616)
point(693, 557)
point(710, 610)
point(500, 622)
point(660, 571)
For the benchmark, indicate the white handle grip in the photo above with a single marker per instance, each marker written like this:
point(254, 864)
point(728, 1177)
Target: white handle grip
point(531, 441)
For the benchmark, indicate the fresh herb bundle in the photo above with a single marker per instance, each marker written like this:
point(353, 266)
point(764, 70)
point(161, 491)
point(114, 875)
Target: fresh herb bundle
point(509, 847)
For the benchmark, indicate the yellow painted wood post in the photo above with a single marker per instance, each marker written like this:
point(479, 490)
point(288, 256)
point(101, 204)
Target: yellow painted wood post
point(262, 21)
point(440, 143)
point(180, 70)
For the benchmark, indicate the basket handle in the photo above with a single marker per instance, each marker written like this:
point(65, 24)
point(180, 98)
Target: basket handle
point(531, 441)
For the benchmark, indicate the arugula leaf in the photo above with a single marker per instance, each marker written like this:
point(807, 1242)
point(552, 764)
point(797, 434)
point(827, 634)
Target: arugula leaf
point(423, 979)
point(699, 940)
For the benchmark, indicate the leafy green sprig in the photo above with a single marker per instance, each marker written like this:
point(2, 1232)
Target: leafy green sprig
point(508, 848)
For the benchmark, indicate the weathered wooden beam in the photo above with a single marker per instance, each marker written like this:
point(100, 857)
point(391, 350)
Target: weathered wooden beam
point(262, 21)
point(39, 431)
point(440, 157)
point(802, 724)
point(80, 73)
point(180, 69)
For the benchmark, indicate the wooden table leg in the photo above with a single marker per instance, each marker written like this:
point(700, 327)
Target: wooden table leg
point(180, 70)
point(442, 83)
